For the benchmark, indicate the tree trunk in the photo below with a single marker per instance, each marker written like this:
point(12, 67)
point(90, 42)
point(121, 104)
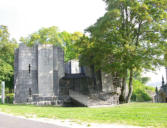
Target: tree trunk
point(122, 98)
point(130, 86)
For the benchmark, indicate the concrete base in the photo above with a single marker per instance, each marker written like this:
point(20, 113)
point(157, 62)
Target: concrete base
point(55, 100)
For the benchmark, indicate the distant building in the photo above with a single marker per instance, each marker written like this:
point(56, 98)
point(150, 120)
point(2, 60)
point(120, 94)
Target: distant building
point(161, 94)
point(41, 77)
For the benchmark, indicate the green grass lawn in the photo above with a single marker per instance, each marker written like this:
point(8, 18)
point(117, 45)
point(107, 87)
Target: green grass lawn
point(141, 114)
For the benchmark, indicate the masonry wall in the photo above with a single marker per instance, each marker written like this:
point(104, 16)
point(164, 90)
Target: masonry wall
point(162, 95)
point(45, 70)
point(107, 83)
point(26, 82)
point(40, 70)
point(16, 61)
point(76, 83)
point(58, 68)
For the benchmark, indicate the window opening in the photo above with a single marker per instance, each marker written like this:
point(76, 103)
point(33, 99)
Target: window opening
point(29, 68)
point(30, 92)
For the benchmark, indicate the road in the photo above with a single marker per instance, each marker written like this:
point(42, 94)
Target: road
point(7, 121)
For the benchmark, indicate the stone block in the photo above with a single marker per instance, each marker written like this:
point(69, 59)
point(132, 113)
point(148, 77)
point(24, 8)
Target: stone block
point(45, 70)
point(107, 83)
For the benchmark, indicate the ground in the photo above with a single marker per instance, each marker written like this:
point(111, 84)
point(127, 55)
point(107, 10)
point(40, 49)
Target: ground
point(8, 121)
point(139, 114)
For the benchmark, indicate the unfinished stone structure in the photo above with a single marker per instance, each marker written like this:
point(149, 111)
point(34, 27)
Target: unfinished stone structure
point(42, 78)
point(161, 94)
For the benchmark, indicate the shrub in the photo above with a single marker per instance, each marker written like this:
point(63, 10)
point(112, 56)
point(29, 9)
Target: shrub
point(140, 96)
point(140, 92)
point(9, 98)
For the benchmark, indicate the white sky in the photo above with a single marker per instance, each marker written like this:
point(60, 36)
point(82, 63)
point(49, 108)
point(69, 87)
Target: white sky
point(156, 77)
point(24, 17)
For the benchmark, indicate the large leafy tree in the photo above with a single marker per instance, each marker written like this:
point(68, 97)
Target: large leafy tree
point(7, 47)
point(128, 38)
point(52, 35)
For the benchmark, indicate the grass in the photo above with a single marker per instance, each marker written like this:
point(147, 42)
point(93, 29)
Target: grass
point(140, 114)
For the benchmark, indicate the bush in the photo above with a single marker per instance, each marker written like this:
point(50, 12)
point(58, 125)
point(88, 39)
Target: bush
point(140, 92)
point(140, 96)
point(9, 98)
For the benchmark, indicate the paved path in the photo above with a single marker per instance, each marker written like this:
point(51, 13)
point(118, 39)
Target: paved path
point(7, 121)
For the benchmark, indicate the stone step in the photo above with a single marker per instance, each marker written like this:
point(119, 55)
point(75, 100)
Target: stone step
point(89, 101)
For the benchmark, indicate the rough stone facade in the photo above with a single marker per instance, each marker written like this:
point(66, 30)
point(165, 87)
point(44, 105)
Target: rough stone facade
point(38, 70)
point(25, 78)
point(42, 77)
point(161, 94)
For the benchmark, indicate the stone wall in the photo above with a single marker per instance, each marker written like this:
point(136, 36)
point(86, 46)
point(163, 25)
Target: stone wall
point(45, 70)
point(40, 78)
point(107, 83)
point(78, 83)
point(16, 64)
point(38, 71)
point(161, 97)
point(27, 57)
point(26, 86)
point(58, 67)
point(26, 82)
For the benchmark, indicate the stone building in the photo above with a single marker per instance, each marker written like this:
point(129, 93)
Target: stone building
point(161, 94)
point(41, 77)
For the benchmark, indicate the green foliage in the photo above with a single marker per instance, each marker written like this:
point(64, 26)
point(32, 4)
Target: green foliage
point(51, 35)
point(140, 114)
point(138, 76)
point(141, 92)
point(131, 36)
point(9, 98)
point(6, 71)
point(128, 36)
point(7, 47)
point(140, 96)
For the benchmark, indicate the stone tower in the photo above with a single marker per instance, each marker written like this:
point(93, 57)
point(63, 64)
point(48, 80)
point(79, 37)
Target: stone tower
point(38, 70)
point(161, 94)
point(40, 78)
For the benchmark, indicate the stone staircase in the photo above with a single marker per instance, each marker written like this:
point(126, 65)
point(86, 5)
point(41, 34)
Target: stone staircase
point(37, 100)
point(92, 101)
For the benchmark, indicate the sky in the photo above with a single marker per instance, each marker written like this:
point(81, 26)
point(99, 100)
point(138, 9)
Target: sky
point(24, 17)
point(156, 77)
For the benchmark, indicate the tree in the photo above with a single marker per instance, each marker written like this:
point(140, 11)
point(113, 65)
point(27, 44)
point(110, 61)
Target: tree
point(128, 38)
point(69, 46)
point(7, 47)
point(51, 35)
point(141, 92)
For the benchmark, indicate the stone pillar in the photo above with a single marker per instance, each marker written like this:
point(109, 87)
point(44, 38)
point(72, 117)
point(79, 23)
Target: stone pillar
point(45, 70)
point(58, 67)
point(3, 92)
point(25, 72)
